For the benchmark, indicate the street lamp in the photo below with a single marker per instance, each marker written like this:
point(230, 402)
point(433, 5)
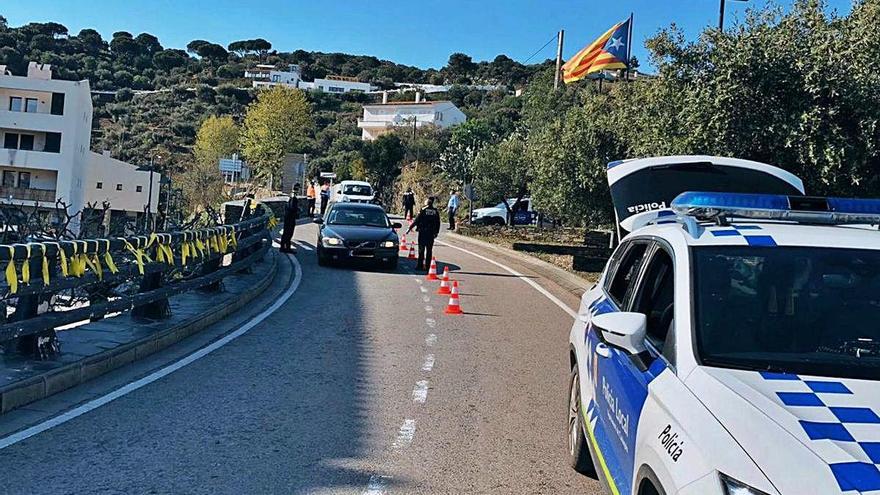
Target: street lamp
point(721, 14)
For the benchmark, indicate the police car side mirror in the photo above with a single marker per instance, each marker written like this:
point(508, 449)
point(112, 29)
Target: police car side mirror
point(318, 220)
point(396, 225)
point(623, 330)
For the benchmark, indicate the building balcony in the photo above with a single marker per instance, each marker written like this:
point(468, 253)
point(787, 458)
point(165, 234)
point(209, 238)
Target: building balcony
point(31, 121)
point(388, 124)
point(32, 159)
point(27, 194)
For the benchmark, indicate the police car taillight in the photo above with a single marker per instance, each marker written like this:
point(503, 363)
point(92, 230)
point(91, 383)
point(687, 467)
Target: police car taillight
point(803, 209)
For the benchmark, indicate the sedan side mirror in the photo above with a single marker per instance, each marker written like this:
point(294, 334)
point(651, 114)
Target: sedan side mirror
point(396, 225)
point(318, 220)
point(623, 330)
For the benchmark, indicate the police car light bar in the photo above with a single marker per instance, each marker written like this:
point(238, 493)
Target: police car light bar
point(802, 209)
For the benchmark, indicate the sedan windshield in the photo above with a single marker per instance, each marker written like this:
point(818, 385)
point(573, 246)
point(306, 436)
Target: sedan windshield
point(803, 310)
point(357, 190)
point(370, 217)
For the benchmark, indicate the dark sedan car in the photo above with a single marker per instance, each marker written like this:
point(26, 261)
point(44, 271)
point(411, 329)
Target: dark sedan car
point(357, 231)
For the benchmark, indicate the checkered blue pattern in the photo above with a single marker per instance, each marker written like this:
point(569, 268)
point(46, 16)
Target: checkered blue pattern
point(840, 428)
point(745, 231)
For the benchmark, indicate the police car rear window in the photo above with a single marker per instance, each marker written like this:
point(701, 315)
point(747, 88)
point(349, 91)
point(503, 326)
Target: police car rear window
point(802, 310)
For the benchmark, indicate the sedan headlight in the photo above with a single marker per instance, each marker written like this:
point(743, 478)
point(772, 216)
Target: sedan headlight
point(734, 487)
point(332, 241)
point(389, 244)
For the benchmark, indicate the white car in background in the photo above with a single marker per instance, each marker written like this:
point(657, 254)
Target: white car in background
point(352, 191)
point(497, 215)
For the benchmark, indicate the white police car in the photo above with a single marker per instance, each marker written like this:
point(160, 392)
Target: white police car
point(730, 348)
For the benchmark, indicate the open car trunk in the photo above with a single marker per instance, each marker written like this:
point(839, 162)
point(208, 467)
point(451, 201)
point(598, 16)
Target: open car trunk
point(642, 187)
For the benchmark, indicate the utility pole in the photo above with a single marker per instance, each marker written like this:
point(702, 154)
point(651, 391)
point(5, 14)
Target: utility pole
point(559, 41)
point(721, 17)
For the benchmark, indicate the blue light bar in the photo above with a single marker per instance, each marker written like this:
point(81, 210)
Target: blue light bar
point(803, 209)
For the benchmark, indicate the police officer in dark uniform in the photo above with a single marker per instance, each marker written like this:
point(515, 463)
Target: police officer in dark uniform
point(428, 224)
point(291, 214)
point(409, 203)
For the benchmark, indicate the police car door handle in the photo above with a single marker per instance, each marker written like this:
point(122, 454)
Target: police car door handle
point(603, 350)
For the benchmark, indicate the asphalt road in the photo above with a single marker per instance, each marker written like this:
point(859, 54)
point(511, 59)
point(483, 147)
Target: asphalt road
point(359, 383)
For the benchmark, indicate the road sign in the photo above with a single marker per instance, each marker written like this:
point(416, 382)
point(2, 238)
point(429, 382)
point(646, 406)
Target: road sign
point(328, 175)
point(470, 192)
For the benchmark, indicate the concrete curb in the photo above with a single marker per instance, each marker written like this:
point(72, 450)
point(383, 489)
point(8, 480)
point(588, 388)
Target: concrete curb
point(32, 389)
point(568, 281)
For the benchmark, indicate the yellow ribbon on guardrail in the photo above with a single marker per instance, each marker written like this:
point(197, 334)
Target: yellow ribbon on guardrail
point(11, 274)
point(44, 265)
point(94, 264)
point(201, 247)
point(233, 239)
point(139, 255)
point(63, 256)
point(108, 259)
point(26, 266)
point(74, 263)
point(272, 223)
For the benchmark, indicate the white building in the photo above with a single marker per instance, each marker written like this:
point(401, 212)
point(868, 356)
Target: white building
point(266, 76)
point(384, 117)
point(46, 129)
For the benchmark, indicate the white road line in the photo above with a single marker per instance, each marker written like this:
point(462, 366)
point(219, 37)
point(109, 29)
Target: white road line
point(429, 361)
point(519, 275)
point(420, 393)
point(304, 246)
point(405, 434)
point(424, 290)
point(377, 485)
point(418, 281)
point(156, 375)
point(426, 299)
point(431, 339)
point(431, 322)
point(429, 309)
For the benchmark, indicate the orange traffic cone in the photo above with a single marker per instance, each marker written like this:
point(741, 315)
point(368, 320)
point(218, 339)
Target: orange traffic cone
point(444, 282)
point(412, 251)
point(403, 243)
point(432, 273)
point(453, 308)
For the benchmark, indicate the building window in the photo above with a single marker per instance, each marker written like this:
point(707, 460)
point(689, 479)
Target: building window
point(118, 187)
point(10, 141)
point(26, 142)
point(335, 89)
point(57, 107)
point(30, 105)
point(139, 189)
point(99, 185)
point(53, 142)
point(8, 178)
point(15, 103)
point(24, 180)
point(276, 78)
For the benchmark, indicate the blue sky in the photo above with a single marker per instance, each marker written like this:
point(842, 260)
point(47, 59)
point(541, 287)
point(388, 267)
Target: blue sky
point(423, 34)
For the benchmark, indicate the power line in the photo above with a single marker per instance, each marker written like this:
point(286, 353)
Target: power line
point(541, 49)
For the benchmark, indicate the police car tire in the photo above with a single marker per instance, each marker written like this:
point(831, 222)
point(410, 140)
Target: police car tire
point(322, 258)
point(579, 456)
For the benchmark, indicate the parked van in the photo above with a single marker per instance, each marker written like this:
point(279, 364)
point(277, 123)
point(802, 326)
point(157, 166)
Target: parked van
point(352, 191)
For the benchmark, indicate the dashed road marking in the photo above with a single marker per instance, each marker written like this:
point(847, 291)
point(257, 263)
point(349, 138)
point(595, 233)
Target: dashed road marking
point(377, 485)
point(431, 322)
point(429, 362)
point(418, 280)
point(405, 434)
point(426, 299)
point(431, 339)
point(429, 309)
point(424, 290)
point(420, 393)
point(161, 373)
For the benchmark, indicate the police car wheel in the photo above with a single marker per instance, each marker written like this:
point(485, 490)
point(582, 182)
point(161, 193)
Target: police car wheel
point(578, 450)
point(322, 258)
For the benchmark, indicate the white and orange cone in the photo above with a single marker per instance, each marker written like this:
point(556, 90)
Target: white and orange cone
point(432, 272)
point(454, 306)
point(403, 243)
point(444, 282)
point(412, 251)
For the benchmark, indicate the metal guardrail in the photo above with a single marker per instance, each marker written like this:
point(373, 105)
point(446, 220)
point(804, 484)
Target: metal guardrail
point(51, 284)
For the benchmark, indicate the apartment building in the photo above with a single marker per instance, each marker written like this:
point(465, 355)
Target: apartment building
point(384, 117)
point(45, 130)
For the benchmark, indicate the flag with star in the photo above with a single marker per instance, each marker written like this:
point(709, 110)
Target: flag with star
point(610, 51)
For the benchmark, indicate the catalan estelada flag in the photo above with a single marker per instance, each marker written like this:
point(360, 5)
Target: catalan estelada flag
point(610, 51)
